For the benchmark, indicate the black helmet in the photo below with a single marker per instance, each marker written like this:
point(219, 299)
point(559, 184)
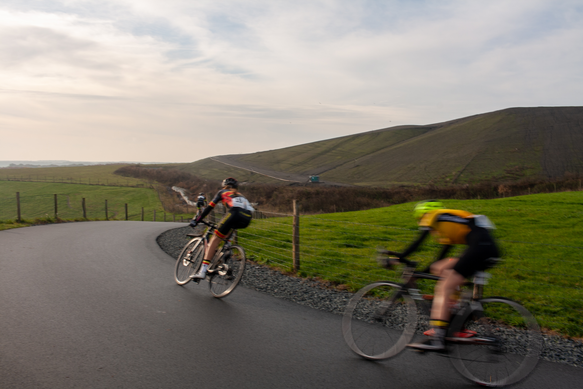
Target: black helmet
point(231, 182)
point(201, 194)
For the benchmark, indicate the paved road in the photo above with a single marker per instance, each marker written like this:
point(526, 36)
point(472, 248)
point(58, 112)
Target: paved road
point(94, 305)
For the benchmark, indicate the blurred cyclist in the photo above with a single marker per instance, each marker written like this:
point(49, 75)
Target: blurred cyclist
point(449, 227)
point(200, 201)
point(238, 216)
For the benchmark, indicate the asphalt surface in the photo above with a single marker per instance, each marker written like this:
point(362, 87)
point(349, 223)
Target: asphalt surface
point(94, 305)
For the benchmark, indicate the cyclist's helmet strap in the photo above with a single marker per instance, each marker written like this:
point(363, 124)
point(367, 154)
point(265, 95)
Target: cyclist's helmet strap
point(423, 207)
point(230, 182)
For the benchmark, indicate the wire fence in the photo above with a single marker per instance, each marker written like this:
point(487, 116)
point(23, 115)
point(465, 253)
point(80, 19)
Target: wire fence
point(75, 206)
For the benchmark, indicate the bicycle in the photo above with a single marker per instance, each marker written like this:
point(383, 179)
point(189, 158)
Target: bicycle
point(225, 270)
point(492, 341)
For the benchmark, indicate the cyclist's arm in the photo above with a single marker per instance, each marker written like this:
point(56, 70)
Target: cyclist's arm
point(209, 207)
point(442, 254)
point(444, 251)
point(415, 245)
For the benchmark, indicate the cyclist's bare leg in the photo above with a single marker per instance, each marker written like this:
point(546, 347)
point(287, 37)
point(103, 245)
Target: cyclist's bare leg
point(212, 249)
point(441, 265)
point(450, 281)
point(440, 310)
point(208, 256)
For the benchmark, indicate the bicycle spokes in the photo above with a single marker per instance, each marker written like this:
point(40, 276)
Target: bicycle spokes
point(506, 345)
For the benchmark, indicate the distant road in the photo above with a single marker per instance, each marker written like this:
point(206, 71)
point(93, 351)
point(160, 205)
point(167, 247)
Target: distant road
point(94, 305)
point(281, 176)
point(226, 160)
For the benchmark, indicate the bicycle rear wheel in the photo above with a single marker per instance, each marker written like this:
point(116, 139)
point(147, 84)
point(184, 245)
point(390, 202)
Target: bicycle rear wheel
point(379, 320)
point(228, 269)
point(506, 346)
point(189, 261)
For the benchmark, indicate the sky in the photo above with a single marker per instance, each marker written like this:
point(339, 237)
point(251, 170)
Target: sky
point(182, 80)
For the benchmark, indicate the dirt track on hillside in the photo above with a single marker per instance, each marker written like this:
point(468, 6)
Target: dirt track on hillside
point(290, 178)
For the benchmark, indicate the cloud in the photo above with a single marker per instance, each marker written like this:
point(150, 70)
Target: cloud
point(242, 76)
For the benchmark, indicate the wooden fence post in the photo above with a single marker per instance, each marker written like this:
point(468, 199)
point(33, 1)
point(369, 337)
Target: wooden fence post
point(164, 216)
point(296, 237)
point(84, 209)
point(19, 219)
point(142, 213)
point(106, 216)
point(126, 211)
point(56, 207)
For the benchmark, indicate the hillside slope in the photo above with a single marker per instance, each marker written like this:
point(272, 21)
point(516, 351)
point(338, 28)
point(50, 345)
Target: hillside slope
point(506, 144)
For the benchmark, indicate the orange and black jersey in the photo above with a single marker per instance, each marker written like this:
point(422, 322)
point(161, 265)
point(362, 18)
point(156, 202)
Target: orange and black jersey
point(230, 199)
point(225, 196)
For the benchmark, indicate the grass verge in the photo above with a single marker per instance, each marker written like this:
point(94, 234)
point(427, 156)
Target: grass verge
point(538, 234)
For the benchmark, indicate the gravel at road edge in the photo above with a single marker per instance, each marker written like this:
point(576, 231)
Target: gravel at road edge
point(316, 295)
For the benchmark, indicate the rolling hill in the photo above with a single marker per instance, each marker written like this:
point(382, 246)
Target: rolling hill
point(505, 145)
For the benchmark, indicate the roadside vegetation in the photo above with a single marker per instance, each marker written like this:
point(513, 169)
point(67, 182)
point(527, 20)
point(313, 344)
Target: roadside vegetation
point(538, 234)
point(317, 198)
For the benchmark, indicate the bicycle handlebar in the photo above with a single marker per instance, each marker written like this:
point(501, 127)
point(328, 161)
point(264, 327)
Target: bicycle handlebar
point(211, 225)
point(395, 256)
point(214, 226)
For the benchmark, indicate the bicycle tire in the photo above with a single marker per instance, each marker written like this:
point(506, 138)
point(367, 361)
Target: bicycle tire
point(499, 354)
point(379, 320)
point(189, 261)
point(227, 272)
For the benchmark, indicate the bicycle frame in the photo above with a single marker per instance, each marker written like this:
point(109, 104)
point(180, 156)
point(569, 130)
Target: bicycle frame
point(383, 317)
point(225, 270)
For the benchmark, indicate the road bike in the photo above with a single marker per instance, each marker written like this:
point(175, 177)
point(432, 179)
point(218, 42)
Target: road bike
point(492, 341)
point(225, 270)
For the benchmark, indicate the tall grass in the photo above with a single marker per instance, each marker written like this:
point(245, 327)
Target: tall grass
point(539, 236)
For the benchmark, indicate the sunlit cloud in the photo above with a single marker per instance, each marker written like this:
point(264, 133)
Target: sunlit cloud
point(184, 80)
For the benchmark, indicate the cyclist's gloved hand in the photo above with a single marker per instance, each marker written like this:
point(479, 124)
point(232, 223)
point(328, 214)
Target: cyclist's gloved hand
point(385, 261)
point(393, 253)
point(193, 223)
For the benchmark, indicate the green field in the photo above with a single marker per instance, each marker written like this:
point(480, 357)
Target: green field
point(540, 236)
point(37, 202)
point(92, 175)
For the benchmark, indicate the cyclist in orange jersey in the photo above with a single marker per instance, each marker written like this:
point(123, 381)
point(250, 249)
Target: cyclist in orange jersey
point(238, 216)
point(450, 227)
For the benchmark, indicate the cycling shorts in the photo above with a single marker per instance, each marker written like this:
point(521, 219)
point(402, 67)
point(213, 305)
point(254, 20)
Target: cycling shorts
point(235, 219)
point(481, 247)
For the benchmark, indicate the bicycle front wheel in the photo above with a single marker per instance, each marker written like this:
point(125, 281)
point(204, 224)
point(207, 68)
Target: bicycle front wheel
point(505, 344)
point(228, 269)
point(379, 320)
point(189, 261)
